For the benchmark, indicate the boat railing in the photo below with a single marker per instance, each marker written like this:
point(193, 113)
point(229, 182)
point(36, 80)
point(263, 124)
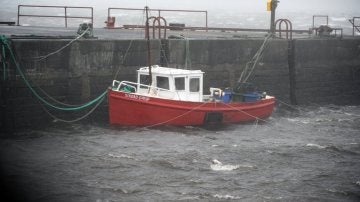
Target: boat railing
point(123, 86)
point(133, 87)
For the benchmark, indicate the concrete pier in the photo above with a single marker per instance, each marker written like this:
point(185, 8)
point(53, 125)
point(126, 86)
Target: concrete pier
point(298, 71)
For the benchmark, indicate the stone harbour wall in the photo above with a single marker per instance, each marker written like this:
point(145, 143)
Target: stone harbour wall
point(300, 71)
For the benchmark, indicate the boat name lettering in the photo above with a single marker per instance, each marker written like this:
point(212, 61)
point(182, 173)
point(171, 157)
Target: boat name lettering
point(137, 97)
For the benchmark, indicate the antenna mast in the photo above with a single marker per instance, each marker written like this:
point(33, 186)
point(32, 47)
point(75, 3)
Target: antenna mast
point(148, 43)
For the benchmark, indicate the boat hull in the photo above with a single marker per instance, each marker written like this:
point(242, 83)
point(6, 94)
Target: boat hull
point(137, 110)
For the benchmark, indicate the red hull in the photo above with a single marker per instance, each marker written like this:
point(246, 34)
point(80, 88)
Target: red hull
point(135, 110)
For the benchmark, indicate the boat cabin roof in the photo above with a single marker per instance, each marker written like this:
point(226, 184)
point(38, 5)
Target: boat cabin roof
point(171, 83)
point(155, 69)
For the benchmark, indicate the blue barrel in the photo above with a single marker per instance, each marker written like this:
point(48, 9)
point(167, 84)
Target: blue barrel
point(226, 96)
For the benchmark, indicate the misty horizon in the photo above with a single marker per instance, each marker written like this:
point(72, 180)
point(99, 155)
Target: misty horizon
point(227, 13)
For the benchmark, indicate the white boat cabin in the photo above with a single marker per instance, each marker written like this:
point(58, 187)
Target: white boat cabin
point(171, 83)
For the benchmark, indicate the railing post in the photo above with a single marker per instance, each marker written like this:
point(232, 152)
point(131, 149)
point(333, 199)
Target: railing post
point(206, 21)
point(65, 17)
point(18, 21)
point(92, 16)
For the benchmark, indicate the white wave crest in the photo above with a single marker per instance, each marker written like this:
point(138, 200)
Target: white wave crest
point(316, 145)
point(121, 156)
point(218, 166)
point(226, 197)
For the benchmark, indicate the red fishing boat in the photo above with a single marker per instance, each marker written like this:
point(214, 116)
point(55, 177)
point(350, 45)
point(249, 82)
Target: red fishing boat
point(169, 96)
point(176, 98)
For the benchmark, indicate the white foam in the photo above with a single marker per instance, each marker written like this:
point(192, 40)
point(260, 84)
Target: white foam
point(218, 166)
point(227, 196)
point(121, 156)
point(316, 145)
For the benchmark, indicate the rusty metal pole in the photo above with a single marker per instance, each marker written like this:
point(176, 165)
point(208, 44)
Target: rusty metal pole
point(274, 4)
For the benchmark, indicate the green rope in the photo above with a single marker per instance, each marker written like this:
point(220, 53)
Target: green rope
point(3, 60)
point(3, 39)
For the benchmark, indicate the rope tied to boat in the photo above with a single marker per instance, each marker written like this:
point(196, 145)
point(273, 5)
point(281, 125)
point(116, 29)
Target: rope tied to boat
point(250, 66)
point(179, 116)
point(64, 108)
point(40, 58)
point(3, 55)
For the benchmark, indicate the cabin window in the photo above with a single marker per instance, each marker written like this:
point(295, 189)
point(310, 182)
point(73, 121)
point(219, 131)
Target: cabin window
point(144, 79)
point(180, 83)
point(162, 82)
point(194, 85)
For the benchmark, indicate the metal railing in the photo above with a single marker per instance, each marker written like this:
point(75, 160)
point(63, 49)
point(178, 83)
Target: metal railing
point(65, 16)
point(222, 29)
point(319, 16)
point(136, 88)
point(158, 20)
point(356, 27)
point(288, 28)
point(163, 10)
point(318, 29)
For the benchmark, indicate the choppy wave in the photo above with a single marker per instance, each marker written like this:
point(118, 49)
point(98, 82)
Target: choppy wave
point(121, 156)
point(296, 155)
point(218, 166)
point(316, 146)
point(227, 197)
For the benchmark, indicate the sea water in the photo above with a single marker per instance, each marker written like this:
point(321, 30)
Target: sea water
point(308, 154)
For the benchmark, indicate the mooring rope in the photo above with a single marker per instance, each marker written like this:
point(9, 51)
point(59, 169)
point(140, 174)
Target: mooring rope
point(3, 60)
point(3, 38)
point(289, 105)
point(181, 115)
point(57, 101)
point(245, 74)
point(242, 111)
point(74, 120)
point(257, 118)
point(62, 48)
point(123, 59)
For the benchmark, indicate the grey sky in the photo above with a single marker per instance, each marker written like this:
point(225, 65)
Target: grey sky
point(248, 12)
point(340, 6)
